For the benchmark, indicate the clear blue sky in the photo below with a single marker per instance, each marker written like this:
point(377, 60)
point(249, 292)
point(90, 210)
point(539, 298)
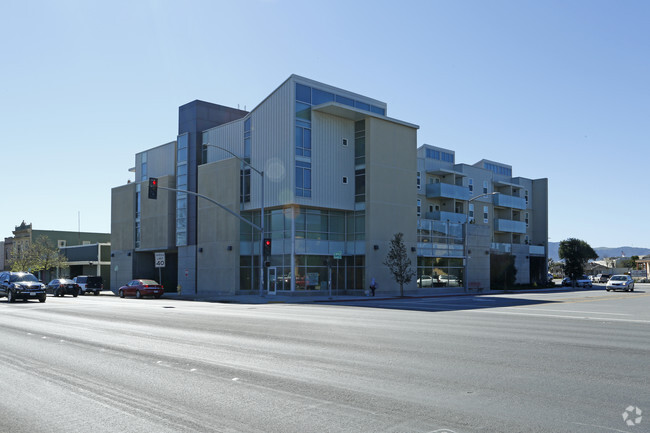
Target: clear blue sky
point(557, 89)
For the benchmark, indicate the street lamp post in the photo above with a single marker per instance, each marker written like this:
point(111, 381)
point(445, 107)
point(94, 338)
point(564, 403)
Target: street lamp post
point(261, 173)
point(465, 246)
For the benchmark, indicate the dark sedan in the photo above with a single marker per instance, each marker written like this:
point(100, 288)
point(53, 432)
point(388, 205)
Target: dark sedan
point(62, 287)
point(140, 288)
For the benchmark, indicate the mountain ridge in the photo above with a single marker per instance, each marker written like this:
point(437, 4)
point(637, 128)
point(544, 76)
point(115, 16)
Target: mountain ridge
point(603, 252)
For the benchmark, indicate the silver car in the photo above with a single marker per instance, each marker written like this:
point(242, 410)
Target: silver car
point(620, 282)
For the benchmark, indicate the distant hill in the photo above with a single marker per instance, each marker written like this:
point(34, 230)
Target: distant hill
point(602, 252)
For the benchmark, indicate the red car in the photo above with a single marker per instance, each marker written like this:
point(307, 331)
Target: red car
point(140, 288)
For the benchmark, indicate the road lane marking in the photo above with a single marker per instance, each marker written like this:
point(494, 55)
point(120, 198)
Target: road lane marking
point(569, 311)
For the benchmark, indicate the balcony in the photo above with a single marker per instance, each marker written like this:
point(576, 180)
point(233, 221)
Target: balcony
point(445, 190)
point(452, 217)
point(509, 201)
point(509, 226)
point(536, 250)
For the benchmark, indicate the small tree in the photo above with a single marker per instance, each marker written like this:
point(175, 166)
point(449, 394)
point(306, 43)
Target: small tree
point(20, 260)
point(45, 257)
point(398, 262)
point(576, 253)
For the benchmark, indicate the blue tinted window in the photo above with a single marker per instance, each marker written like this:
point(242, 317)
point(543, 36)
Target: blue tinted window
point(303, 111)
point(303, 93)
point(306, 142)
point(344, 100)
point(247, 124)
point(320, 97)
point(378, 110)
point(362, 105)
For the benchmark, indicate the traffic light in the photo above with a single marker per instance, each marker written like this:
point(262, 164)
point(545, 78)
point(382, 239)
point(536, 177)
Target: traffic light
point(153, 188)
point(267, 247)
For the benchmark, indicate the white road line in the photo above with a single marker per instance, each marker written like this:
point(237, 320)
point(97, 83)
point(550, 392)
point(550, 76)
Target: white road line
point(572, 311)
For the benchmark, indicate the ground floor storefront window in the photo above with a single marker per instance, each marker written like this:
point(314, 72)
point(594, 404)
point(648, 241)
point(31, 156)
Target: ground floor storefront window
point(311, 272)
point(439, 272)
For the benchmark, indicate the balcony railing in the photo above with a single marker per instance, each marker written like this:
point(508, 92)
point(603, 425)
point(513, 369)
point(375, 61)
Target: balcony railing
point(444, 216)
point(445, 190)
point(536, 250)
point(509, 226)
point(504, 200)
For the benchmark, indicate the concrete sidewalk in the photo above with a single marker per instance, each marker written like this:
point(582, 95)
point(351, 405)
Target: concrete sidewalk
point(308, 298)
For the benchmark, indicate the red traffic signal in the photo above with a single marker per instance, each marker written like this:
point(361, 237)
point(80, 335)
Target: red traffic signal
point(267, 247)
point(153, 187)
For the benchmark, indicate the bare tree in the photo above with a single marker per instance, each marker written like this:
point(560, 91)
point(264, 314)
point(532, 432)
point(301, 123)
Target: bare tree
point(398, 262)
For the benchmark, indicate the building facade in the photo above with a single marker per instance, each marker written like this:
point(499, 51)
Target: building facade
point(88, 253)
point(337, 178)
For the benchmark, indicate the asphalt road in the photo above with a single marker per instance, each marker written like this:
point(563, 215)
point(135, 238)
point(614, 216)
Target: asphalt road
point(534, 362)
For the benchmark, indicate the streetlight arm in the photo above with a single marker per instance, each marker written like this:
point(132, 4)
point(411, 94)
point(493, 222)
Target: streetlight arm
point(261, 173)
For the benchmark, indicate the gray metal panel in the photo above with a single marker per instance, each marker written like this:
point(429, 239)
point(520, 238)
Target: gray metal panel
point(331, 161)
point(161, 161)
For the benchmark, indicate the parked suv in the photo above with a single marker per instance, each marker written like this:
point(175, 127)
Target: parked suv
point(21, 285)
point(602, 278)
point(87, 284)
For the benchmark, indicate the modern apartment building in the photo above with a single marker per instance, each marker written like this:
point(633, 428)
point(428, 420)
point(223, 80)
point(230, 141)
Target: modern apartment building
point(340, 178)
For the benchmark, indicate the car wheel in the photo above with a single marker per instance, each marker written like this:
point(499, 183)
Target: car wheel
point(158, 296)
point(607, 290)
point(96, 293)
point(10, 296)
point(138, 294)
point(121, 293)
point(42, 298)
point(75, 293)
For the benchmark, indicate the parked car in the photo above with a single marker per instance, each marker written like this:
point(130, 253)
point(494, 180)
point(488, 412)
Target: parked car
point(140, 288)
point(449, 280)
point(620, 282)
point(602, 278)
point(87, 283)
point(582, 281)
point(21, 285)
point(426, 281)
point(549, 278)
point(63, 286)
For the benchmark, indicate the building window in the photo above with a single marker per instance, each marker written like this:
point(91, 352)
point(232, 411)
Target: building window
point(419, 180)
point(471, 212)
point(345, 180)
point(61, 243)
point(526, 219)
point(526, 196)
point(419, 205)
point(485, 214)
point(485, 187)
point(303, 179)
point(360, 142)
point(143, 166)
point(360, 185)
point(181, 183)
point(138, 210)
point(245, 172)
point(303, 139)
point(470, 185)
point(345, 142)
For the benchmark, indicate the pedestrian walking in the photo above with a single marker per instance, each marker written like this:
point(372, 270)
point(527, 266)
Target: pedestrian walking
point(373, 286)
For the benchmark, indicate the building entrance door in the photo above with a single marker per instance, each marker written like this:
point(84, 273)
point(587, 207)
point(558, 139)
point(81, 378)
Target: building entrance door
point(271, 280)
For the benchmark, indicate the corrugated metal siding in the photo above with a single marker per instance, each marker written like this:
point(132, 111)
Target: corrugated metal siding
point(273, 148)
point(331, 161)
point(161, 161)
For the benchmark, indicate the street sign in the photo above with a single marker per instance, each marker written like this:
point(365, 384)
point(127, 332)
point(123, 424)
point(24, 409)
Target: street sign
point(160, 260)
point(338, 255)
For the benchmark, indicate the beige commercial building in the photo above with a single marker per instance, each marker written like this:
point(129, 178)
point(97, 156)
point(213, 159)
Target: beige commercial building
point(340, 178)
